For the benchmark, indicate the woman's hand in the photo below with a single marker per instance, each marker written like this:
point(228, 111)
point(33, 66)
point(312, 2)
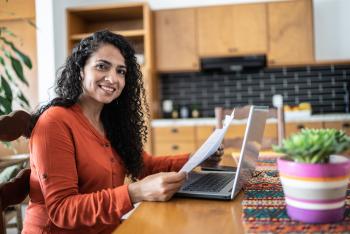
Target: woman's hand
point(214, 159)
point(156, 187)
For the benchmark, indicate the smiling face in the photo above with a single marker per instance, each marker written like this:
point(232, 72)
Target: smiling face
point(103, 76)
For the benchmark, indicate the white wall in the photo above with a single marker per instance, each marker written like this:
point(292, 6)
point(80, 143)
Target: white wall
point(331, 20)
point(332, 29)
point(45, 49)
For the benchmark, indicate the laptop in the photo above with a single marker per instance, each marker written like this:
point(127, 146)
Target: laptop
point(225, 185)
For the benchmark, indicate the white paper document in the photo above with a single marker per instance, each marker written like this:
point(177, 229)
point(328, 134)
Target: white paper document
point(209, 147)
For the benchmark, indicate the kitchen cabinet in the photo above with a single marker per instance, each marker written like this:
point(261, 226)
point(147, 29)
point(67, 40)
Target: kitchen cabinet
point(290, 39)
point(292, 128)
point(342, 125)
point(236, 133)
point(173, 148)
point(187, 139)
point(232, 30)
point(175, 36)
point(202, 133)
point(173, 140)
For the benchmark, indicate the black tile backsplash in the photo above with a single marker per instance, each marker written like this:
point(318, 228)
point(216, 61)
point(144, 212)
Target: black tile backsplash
point(325, 87)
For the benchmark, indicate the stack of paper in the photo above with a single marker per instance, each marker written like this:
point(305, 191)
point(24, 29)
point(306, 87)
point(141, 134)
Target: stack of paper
point(209, 147)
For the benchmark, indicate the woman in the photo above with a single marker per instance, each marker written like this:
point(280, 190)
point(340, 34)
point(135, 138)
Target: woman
point(85, 141)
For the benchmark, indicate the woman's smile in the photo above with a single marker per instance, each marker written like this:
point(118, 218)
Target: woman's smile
point(107, 89)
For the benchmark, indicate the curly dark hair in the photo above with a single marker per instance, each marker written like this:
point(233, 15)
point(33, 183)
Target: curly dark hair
point(124, 120)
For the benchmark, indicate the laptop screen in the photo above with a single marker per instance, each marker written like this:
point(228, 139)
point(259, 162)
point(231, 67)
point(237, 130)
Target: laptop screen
point(250, 147)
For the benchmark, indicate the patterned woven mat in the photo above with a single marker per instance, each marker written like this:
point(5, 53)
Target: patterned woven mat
point(264, 207)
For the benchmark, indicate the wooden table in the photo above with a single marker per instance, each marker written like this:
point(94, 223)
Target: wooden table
point(185, 215)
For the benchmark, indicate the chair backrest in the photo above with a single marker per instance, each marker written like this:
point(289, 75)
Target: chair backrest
point(242, 113)
point(13, 192)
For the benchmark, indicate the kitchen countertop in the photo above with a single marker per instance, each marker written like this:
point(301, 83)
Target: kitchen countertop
point(290, 118)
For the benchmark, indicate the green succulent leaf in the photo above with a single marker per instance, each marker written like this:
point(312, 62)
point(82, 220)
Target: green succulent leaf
point(314, 145)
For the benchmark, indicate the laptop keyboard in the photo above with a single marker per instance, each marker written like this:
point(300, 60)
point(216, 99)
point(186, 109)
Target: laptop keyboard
point(211, 182)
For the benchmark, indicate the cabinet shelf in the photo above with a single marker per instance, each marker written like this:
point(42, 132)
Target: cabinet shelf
point(126, 33)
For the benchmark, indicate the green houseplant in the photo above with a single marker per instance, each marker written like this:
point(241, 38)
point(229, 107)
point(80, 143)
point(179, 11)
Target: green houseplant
point(12, 64)
point(314, 179)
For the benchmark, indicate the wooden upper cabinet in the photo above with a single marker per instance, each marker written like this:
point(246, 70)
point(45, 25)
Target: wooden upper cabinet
point(215, 30)
point(232, 30)
point(290, 32)
point(175, 36)
point(250, 28)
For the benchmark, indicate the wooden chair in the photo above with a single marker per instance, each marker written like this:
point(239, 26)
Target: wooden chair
point(13, 192)
point(242, 113)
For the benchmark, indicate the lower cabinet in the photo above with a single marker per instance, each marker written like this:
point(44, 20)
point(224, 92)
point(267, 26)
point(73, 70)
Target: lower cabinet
point(292, 128)
point(187, 139)
point(202, 133)
point(172, 148)
point(173, 140)
point(342, 125)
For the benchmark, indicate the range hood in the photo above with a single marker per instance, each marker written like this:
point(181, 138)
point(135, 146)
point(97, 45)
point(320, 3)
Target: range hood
point(234, 64)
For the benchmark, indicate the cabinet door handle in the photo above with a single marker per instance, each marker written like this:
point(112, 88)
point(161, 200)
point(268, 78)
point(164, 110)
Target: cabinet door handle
point(232, 50)
point(300, 126)
point(174, 147)
point(174, 130)
point(346, 125)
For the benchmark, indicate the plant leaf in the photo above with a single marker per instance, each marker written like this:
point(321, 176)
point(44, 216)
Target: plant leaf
point(4, 29)
point(8, 75)
point(7, 89)
point(25, 59)
point(314, 145)
point(2, 61)
point(17, 67)
point(23, 99)
point(7, 106)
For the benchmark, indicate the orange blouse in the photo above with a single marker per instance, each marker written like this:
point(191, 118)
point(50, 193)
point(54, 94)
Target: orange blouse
point(77, 180)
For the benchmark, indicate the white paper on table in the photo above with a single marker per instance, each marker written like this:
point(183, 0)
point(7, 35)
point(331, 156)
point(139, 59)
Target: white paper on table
point(209, 147)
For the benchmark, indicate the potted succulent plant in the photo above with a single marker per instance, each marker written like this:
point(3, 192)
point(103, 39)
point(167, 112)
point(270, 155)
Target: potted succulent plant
point(313, 177)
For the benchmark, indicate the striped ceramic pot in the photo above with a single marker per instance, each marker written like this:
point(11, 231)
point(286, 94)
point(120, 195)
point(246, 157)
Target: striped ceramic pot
point(315, 193)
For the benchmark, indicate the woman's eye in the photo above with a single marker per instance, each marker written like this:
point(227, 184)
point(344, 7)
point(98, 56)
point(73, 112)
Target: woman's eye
point(121, 72)
point(100, 67)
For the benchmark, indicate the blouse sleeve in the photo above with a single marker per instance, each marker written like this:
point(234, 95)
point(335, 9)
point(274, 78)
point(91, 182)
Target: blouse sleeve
point(157, 164)
point(52, 156)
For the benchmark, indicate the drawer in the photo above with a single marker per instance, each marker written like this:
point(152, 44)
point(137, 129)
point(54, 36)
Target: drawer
point(270, 131)
point(235, 131)
point(174, 134)
point(292, 128)
point(341, 125)
point(202, 133)
point(171, 148)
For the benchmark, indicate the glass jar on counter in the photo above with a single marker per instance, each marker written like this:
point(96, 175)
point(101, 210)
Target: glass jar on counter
point(195, 111)
point(184, 112)
point(167, 106)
